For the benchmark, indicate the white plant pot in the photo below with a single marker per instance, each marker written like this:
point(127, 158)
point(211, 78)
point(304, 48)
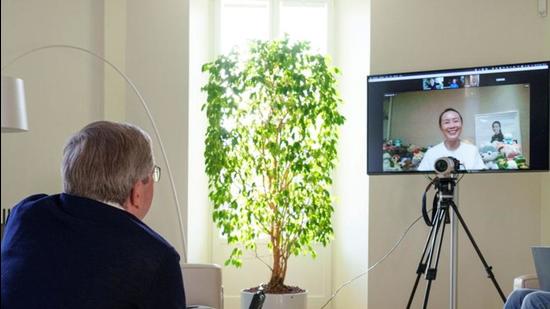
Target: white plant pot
point(277, 301)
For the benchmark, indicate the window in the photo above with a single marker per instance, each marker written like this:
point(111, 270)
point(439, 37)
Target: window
point(305, 21)
point(241, 21)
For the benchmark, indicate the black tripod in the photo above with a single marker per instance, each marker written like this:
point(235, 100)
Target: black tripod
point(432, 250)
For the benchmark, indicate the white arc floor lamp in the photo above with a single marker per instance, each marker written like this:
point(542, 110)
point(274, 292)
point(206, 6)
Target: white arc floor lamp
point(14, 116)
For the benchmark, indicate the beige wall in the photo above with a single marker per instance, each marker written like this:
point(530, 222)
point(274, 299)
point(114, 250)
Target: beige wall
point(502, 211)
point(545, 209)
point(351, 208)
point(65, 88)
point(201, 40)
point(157, 59)
point(58, 82)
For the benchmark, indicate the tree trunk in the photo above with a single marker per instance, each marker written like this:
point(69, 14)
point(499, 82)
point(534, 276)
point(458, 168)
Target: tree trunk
point(276, 283)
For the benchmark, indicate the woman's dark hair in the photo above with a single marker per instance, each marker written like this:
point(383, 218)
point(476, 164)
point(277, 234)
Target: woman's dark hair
point(496, 121)
point(449, 110)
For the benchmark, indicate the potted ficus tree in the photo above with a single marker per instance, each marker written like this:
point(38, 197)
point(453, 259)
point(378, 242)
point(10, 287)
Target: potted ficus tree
point(271, 144)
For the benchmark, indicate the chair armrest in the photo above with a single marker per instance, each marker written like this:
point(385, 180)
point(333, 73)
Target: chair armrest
point(529, 281)
point(203, 285)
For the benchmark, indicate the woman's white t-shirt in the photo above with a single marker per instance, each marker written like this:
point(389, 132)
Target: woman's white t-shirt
point(467, 154)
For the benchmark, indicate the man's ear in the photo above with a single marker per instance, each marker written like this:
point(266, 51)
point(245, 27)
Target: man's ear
point(135, 200)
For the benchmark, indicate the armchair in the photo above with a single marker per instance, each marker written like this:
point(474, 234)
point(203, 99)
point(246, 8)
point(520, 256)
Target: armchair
point(529, 281)
point(203, 285)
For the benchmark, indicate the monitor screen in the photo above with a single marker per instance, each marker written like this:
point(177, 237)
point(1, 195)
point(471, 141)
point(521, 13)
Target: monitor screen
point(491, 119)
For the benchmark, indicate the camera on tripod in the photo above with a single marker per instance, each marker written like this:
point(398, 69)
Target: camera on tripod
point(445, 167)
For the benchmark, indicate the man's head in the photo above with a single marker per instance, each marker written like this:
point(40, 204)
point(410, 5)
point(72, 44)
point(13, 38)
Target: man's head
point(110, 162)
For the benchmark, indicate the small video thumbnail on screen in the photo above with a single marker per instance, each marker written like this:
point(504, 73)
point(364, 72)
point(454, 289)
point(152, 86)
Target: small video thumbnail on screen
point(450, 82)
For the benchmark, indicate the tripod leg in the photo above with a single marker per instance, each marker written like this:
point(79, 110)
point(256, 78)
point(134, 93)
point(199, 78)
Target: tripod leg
point(421, 269)
point(488, 269)
point(431, 272)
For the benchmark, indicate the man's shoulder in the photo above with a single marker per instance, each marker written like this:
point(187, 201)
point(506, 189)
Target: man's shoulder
point(37, 198)
point(155, 240)
point(34, 203)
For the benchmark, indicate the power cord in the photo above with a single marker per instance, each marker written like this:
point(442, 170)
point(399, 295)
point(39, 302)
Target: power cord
point(375, 264)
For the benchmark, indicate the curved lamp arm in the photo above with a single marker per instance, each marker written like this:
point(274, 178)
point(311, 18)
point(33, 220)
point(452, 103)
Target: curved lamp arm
point(145, 106)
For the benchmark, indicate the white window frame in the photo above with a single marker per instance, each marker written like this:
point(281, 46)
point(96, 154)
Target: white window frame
point(274, 22)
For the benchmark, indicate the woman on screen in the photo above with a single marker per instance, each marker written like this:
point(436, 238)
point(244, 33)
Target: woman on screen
point(498, 133)
point(450, 124)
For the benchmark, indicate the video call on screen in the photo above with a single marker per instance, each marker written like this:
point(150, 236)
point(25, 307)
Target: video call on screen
point(504, 113)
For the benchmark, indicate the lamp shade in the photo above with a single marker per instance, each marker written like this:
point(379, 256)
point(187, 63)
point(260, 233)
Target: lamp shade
point(14, 112)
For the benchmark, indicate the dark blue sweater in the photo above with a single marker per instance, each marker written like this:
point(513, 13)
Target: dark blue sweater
point(64, 251)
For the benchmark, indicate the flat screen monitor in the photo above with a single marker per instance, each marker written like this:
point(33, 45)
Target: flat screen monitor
point(490, 118)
